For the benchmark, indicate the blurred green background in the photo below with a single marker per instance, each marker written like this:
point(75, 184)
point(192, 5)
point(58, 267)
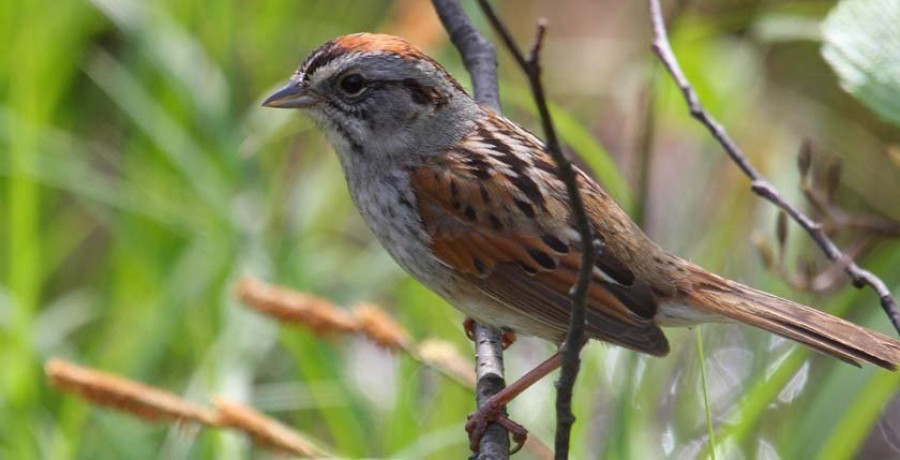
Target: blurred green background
point(140, 178)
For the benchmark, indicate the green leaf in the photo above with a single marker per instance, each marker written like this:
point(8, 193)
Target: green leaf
point(862, 45)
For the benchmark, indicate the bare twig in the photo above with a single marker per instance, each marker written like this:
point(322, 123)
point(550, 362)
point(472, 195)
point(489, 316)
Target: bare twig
point(480, 58)
point(759, 184)
point(867, 229)
point(478, 53)
point(494, 442)
point(807, 279)
point(837, 218)
point(571, 348)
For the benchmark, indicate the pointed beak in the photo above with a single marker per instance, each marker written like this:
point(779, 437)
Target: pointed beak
point(295, 94)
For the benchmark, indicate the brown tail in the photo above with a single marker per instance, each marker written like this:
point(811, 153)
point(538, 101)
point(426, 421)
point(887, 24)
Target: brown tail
point(823, 332)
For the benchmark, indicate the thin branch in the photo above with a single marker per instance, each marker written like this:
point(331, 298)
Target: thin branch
point(759, 184)
point(480, 58)
point(494, 442)
point(478, 53)
point(575, 338)
point(836, 218)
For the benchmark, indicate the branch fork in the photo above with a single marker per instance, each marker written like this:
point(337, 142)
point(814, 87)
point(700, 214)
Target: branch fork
point(759, 184)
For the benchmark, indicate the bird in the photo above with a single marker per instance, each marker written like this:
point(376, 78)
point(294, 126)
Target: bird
point(470, 204)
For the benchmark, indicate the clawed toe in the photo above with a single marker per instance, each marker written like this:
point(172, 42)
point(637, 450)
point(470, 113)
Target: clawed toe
point(509, 338)
point(469, 326)
point(478, 422)
point(508, 335)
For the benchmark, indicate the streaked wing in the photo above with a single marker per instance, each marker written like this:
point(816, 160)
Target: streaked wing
point(494, 217)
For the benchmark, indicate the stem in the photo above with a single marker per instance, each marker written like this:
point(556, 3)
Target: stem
point(571, 347)
point(480, 58)
point(709, 421)
point(759, 184)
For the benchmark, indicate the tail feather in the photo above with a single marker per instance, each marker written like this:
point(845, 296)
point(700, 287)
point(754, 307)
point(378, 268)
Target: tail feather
point(823, 332)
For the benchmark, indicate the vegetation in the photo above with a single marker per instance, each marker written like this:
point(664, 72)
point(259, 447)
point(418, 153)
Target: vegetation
point(140, 180)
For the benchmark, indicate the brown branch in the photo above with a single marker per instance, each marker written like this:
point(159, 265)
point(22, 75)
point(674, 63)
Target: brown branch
point(480, 58)
point(868, 229)
point(806, 279)
point(494, 442)
point(478, 53)
point(575, 338)
point(821, 196)
point(759, 184)
point(837, 218)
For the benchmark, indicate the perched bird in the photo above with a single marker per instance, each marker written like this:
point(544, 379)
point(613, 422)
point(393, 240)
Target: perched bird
point(469, 203)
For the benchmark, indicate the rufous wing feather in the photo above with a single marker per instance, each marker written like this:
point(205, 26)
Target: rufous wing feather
point(514, 241)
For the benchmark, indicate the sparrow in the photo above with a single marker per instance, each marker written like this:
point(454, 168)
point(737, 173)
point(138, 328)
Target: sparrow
point(470, 204)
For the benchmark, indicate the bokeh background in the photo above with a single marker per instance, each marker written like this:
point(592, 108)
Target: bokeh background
point(140, 179)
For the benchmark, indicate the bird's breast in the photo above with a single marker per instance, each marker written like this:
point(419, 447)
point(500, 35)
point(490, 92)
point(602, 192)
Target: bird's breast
point(388, 205)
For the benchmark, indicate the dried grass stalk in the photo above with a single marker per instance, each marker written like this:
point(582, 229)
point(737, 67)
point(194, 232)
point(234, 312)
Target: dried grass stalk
point(290, 306)
point(444, 357)
point(110, 390)
point(380, 327)
point(264, 430)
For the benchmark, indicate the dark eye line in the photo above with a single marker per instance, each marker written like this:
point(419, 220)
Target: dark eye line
point(419, 93)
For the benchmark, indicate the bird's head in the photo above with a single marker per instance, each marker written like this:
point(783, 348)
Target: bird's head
point(378, 96)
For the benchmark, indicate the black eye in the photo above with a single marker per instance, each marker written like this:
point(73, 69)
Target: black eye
point(352, 84)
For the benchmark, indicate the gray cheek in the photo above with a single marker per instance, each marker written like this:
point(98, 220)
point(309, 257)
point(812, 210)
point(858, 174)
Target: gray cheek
point(391, 111)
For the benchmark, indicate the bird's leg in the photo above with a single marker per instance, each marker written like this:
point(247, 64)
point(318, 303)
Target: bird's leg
point(469, 327)
point(492, 409)
point(508, 335)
